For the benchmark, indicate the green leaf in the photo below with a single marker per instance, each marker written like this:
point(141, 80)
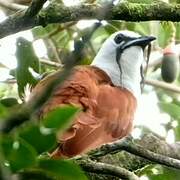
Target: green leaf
point(166, 33)
point(25, 55)
point(9, 102)
point(177, 25)
point(3, 111)
point(167, 174)
point(40, 140)
point(98, 37)
point(110, 28)
point(39, 32)
point(60, 117)
point(117, 24)
point(143, 28)
point(62, 169)
point(62, 39)
point(130, 25)
point(35, 174)
point(172, 109)
point(17, 153)
point(177, 132)
point(26, 60)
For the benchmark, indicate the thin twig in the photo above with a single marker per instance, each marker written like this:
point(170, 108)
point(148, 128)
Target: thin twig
point(51, 42)
point(107, 169)
point(55, 31)
point(60, 28)
point(163, 85)
point(12, 6)
point(51, 63)
point(9, 81)
point(34, 8)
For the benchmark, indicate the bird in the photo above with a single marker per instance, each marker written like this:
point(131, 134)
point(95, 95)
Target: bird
point(107, 91)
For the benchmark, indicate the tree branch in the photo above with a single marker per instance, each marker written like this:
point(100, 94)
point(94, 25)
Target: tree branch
point(163, 85)
point(126, 144)
point(108, 169)
point(12, 6)
point(34, 8)
point(120, 157)
point(57, 13)
point(51, 63)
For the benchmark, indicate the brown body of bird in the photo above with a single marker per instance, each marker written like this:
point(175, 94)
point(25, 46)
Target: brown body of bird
point(106, 91)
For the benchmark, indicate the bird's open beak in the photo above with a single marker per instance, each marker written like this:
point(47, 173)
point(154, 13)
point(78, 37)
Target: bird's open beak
point(140, 41)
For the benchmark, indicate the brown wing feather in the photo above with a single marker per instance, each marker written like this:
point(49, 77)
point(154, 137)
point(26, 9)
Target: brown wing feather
point(107, 111)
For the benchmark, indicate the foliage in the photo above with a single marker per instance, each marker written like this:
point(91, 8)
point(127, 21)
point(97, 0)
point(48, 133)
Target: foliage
point(26, 147)
point(26, 60)
point(24, 150)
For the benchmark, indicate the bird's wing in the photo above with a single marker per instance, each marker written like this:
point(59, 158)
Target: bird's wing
point(118, 106)
point(113, 116)
point(80, 89)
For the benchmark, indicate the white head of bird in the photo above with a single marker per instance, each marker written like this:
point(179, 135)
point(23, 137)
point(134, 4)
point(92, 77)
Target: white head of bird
point(121, 57)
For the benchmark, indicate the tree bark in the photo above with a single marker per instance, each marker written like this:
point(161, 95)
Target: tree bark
point(132, 162)
point(58, 13)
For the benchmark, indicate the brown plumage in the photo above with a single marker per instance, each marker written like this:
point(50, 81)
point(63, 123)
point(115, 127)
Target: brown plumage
point(107, 110)
point(106, 91)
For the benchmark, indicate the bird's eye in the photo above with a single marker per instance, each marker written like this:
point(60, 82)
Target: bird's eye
point(118, 39)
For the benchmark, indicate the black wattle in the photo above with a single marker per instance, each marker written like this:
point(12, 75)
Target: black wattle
point(119, 51)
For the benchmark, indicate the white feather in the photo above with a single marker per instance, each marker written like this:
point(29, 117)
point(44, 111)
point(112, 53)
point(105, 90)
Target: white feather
point(131, 60)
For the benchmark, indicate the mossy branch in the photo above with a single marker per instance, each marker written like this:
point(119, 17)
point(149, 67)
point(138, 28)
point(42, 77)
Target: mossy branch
point(58, 13)
point(129, 154)
point(127, 145)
